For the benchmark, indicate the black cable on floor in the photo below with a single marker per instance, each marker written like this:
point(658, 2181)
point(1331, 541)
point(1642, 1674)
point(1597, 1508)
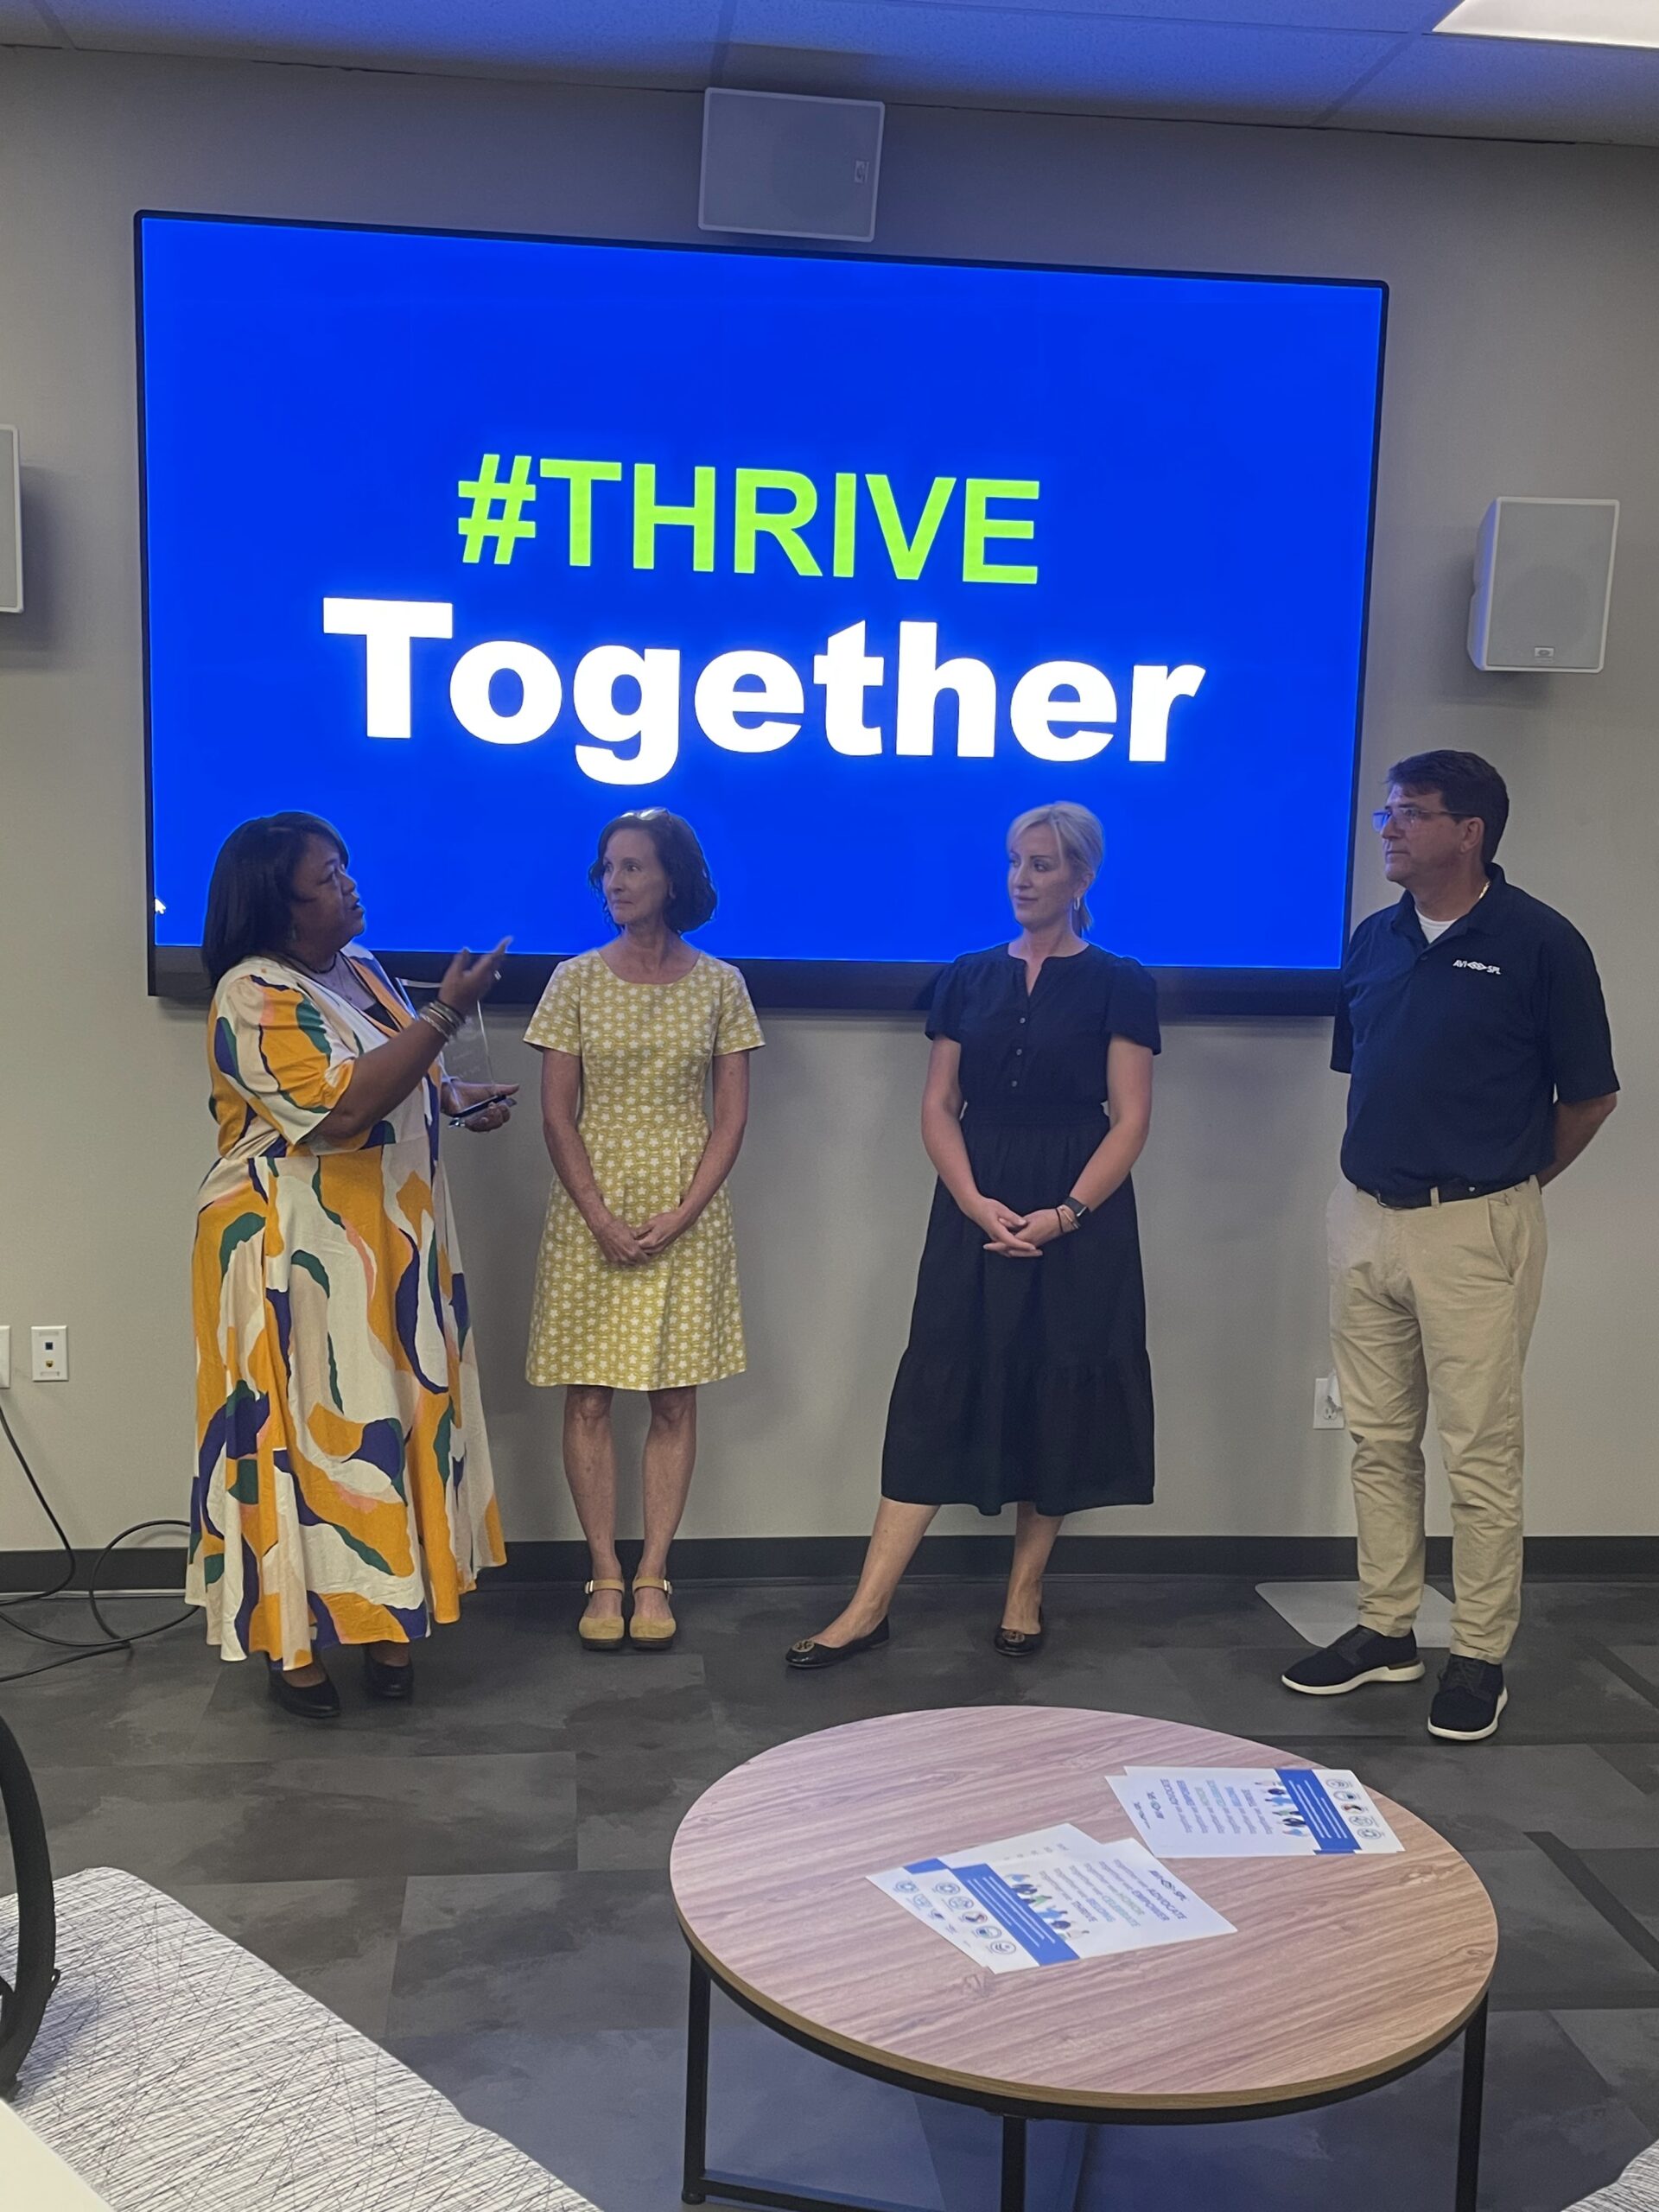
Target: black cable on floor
point(115, 1639)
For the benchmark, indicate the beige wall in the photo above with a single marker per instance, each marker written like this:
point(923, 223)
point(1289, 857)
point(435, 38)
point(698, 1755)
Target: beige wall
point(1524, 328)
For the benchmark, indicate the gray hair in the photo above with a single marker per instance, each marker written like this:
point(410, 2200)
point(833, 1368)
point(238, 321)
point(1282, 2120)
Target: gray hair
point(1080, 838)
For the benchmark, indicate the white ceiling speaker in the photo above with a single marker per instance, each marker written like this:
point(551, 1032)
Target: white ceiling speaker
point(1543, 585)
point(786, 165)
point(11, 523)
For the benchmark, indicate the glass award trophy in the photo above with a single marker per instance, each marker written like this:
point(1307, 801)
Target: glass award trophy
point(466, 1057)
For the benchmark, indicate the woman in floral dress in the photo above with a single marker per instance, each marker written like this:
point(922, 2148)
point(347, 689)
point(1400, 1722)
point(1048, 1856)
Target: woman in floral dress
point(637, 1283)
point(343, 1493)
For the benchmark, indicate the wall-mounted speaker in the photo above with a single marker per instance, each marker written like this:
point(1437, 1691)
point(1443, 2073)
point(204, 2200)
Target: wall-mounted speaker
point(11, 523)
point(787, 165)
point(1543, 585)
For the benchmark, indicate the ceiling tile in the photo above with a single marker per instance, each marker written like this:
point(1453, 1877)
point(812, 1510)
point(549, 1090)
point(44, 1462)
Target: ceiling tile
point(1504, 88)
point(1287, 61)
point(23, 25)
point(1114, 64)
point(1397, 18)
point(663, 41)
point(1588, 22)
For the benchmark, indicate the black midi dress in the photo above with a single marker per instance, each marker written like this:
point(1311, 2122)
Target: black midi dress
point(1028, 1379)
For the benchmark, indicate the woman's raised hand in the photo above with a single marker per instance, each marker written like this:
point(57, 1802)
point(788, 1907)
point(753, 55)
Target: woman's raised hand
point(1004, 1229)
point(466, 981)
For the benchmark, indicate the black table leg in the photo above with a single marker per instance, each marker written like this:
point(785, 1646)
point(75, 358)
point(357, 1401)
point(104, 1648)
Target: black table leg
point(698, 2185)
point(1474, 2086)
point(697, 2086)
point(1013, 2165)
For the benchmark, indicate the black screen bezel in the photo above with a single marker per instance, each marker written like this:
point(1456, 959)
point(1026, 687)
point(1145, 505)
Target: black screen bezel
point(175, 972)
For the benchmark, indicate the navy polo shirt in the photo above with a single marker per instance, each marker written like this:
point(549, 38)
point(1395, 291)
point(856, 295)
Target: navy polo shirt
point(1459, 1050)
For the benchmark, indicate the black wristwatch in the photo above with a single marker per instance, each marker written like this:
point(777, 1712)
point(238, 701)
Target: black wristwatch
point(1075, 1207)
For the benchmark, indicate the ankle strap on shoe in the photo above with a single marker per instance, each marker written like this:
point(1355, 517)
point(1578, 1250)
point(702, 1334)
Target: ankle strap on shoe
point(602, 1582)
point(653, 1582)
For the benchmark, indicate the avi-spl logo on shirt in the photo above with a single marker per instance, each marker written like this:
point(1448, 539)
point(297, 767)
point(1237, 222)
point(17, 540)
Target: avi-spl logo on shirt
point(774, 524)
point(1480, 967)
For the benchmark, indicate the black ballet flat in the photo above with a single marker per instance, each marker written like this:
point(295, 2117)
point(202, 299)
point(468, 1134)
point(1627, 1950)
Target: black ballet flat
point(305, 1700)
point(393, 1685)
point(1016, 1643)
point(807, 1657)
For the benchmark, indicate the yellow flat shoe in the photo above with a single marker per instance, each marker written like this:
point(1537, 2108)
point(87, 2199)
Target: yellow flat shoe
point(601, 1635)
point(653, 1636)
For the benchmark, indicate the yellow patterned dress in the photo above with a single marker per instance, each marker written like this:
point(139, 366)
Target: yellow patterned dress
point(646, 1051)
point(343, 1492)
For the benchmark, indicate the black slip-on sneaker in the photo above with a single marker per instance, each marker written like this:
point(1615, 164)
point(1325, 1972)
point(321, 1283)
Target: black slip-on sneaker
point(1469, 1702)
point(1353, 1660)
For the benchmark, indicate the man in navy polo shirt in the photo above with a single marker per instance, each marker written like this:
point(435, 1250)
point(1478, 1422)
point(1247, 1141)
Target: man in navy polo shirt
point(1471, 1025)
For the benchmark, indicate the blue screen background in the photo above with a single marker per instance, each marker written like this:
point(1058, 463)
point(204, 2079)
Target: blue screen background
point(1205, 447)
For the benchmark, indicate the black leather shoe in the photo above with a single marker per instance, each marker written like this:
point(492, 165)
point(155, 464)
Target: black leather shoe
point(306, 1701)
point(1019, 1643)
point(393, 1684)
point(806, 1658)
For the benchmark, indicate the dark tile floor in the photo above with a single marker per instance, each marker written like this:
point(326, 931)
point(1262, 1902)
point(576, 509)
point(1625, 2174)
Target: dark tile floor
point(479, 1880)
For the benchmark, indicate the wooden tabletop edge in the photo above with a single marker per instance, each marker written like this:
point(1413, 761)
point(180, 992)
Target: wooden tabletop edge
point(1261, 2103)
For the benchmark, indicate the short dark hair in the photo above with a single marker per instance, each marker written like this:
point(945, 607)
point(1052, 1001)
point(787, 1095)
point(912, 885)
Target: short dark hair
point(691, 895)
point(250, 893)
point(1468, 784)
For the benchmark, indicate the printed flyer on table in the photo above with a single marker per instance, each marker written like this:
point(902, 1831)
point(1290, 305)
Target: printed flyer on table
point(1253, 1812)
point(1051, 1897)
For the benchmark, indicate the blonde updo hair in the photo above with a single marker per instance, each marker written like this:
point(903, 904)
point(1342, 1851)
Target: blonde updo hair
point(1080, 838)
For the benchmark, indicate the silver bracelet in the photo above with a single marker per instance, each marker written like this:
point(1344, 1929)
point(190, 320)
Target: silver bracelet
point(443, 1018)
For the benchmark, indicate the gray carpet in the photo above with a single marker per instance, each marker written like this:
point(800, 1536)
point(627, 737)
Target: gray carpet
point(478, 1881)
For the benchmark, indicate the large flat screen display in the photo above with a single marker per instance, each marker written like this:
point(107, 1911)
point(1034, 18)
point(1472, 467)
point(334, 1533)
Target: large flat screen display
point(470, 543)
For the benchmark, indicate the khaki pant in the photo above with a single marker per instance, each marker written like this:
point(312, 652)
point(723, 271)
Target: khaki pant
point(1437, 1303)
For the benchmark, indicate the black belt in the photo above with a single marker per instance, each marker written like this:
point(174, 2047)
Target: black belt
point(1443, 1194)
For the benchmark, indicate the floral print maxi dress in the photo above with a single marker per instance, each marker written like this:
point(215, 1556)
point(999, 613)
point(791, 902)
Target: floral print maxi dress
point(343, 1491)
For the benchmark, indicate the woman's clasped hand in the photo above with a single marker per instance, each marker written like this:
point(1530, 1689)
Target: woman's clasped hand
point(631, 1248)
point(1016, 1236)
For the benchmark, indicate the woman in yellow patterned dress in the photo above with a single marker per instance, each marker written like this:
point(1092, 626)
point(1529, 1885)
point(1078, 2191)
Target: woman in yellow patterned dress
point(636, 1283)
point(343, 1492)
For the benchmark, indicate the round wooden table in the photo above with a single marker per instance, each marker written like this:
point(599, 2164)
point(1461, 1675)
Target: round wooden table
point(1346, 1972)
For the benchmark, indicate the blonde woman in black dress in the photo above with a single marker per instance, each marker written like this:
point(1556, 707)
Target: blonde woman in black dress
point(1025, 1381)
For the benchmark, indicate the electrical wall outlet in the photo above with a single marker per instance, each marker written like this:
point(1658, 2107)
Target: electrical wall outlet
point(5, 1356)
point(51, 1350)
point(1327, 1402)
